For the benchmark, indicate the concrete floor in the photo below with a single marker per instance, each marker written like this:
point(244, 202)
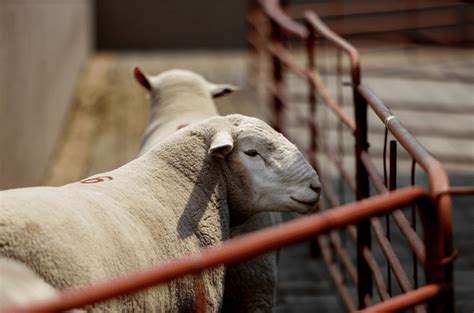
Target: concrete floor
point(430, 89)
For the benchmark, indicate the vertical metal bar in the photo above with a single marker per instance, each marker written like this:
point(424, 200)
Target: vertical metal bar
point(325, 67)
point(384, 158)
point(324, 118)
point(393, 165)
point(251, 49)
point(312, 102)
point(364, 288)
point(392, 186)
point(340, 143)
point(387, 217)
point(312, 96)
point(464, 20)
point(276, 34)
point(413, 225)
point(340, 150)
point(435, 271)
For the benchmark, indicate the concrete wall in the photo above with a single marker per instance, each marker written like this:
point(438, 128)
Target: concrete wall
point(177, 24)
point(43, 44)
point(209, 24)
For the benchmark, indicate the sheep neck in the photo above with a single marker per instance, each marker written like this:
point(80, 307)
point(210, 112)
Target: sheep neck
point(187, 158)
point(187, 155)
point(169, 103)
point(239, 192)
point(175, 107)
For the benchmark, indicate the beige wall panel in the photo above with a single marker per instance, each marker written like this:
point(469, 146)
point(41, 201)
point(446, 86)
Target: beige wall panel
point(43, 44)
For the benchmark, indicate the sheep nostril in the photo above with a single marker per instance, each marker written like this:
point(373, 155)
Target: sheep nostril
point(316, 188)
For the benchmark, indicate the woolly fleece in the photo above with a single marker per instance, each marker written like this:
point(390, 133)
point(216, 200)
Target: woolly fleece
point(79, 233)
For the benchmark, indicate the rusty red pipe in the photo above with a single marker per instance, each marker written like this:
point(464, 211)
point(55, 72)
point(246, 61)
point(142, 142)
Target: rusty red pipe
point(407, 300)
point(232, 251)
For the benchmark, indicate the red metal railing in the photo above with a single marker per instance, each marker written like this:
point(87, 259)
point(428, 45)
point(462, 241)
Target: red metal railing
point(426, 21)
point(244, 248)
point(314, 37)
point(271, 32)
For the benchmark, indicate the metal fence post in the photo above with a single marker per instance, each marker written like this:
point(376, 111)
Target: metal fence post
point(252, 49)
point(439, 266)
point(312, 102)
point(277, 36)
point(312, 93)
point(364, 288)
point(277, 81)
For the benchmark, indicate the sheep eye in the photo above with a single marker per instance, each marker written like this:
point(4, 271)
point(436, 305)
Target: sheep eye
point(251, 152)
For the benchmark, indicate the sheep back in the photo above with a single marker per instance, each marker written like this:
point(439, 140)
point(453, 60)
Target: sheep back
point(79, 234)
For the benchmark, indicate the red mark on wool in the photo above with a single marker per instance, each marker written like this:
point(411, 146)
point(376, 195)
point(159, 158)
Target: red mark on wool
point(181, 126)
point(96, 180)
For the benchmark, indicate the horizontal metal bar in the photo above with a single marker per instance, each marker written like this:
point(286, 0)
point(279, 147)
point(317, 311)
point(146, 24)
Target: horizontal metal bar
point(324, 93)
point(300, 96)
point(368, 256)
point(259, 33)
point(274, 12)
point(390, 255)
point(342, 253)
point(376, 273)
point(438, 177)
point(253, 41)
point(414, 241)
point(338, 163)
point(371, 262)
point(407, 300)
point(372, 171)
point(396, 23)
point(437, 174)
point(233, 251)
point(460, 191)
point(254, 21)
point(336, 275)
point(349, 9)
point(256, 38)
point(314, 21)
point(282, 53)
point(373, 265)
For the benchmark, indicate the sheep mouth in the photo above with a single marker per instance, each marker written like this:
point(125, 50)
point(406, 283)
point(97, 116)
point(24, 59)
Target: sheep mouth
point(310, 203)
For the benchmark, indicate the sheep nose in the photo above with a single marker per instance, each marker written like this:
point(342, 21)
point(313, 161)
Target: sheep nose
point(316, 188)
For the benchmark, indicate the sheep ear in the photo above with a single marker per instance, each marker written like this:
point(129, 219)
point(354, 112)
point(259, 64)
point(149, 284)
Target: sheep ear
point(219, 90)
point(141, 78)
point(222, 144)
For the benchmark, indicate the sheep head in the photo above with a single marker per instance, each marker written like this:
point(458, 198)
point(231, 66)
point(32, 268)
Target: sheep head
point(176, 78)
point(264, 171)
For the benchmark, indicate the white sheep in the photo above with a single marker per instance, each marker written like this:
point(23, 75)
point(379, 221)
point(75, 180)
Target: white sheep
point(178, 98)
point(172, 201)
point(24, 286)
point(249, 286)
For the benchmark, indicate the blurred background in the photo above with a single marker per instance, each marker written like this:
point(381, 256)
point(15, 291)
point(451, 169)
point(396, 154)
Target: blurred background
point(56, 55)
